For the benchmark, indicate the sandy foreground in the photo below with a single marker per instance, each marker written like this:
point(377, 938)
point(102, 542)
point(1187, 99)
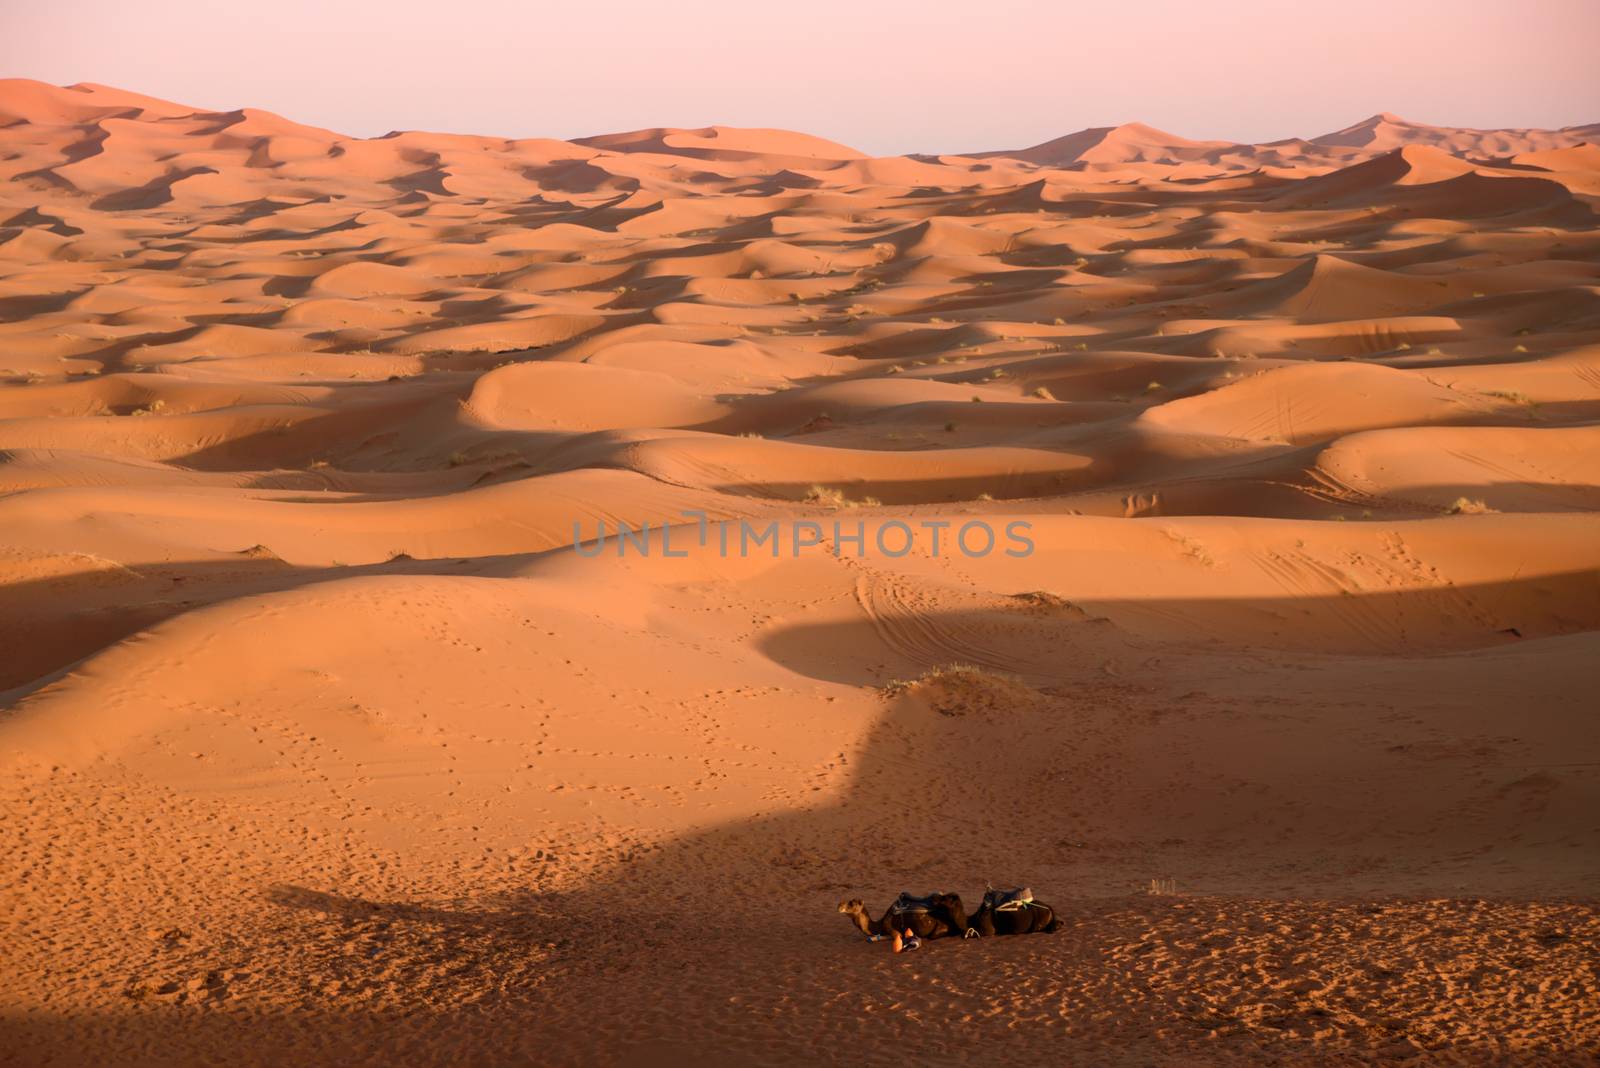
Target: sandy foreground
point(322, 744)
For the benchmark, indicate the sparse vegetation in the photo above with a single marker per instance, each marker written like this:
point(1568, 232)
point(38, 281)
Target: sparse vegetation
point(835, 498)
point(943, 671)
point(1468, 506)
point(1045, 602)
point(965, 689)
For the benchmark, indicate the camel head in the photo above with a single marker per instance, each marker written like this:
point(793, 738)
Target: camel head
point(951, 903)
point(851, 907)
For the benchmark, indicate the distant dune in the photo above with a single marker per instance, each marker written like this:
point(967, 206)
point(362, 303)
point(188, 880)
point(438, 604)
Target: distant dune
point(1384, 132)
point(1137, 143)
point(1132, 142)
point(342, 726)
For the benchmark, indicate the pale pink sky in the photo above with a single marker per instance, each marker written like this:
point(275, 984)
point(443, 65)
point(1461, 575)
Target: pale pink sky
point(883, 75)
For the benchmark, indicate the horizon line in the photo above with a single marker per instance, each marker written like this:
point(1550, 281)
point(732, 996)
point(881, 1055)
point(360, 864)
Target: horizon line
point(87, 86)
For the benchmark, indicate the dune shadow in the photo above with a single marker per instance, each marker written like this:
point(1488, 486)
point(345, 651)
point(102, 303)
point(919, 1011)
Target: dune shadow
point(1398, 623)
point(518, 916)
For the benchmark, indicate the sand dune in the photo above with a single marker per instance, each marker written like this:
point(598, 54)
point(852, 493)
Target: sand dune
point(1383, 132)
point(724, 143)
point(325, 742)
point(1132, 142)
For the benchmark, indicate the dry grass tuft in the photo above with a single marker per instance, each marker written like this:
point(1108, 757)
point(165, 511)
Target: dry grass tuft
point(964, 689)
point(835, 498)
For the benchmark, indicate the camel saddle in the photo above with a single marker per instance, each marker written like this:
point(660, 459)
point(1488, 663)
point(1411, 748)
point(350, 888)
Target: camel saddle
point(1008, 900)
point(909, 903)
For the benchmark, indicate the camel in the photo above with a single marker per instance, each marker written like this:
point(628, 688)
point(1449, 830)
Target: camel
point(1013, 912)
point(950, 906)
point(935, 916)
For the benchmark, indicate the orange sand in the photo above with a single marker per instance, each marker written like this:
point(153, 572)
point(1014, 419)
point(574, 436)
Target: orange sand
point(322, 744)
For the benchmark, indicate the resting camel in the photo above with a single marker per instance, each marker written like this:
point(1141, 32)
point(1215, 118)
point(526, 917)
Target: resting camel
point(934, 916)
point(1009, 912)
